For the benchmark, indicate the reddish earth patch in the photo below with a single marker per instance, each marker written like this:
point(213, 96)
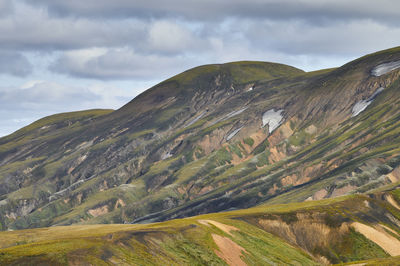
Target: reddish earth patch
point(320, 194)
point(342, 191)
point(212, 141)
point(98, 211)
point(276, 155)
point(289, 180)
point(119, 203)
point(394, 176)
point(229, 251)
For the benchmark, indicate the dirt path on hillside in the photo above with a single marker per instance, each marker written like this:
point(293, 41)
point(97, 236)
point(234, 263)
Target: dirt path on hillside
point(224, 227)
point(387, 242)
point(229, 251)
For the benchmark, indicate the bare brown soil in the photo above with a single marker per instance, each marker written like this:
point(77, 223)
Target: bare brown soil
point(394, 203)
point(229, 251)
point(387, 242)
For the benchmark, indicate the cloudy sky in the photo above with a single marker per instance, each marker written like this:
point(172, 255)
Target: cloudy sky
point(59, 55)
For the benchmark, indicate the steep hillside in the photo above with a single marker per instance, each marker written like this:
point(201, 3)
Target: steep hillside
point(213, 138)
point(354, 228)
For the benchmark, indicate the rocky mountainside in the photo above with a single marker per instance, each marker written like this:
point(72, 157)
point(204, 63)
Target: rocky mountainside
point(213, 138)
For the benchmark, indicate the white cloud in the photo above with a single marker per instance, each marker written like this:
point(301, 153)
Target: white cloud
point(169, 37)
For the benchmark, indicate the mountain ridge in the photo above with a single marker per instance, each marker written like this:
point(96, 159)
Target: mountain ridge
point(202, 141)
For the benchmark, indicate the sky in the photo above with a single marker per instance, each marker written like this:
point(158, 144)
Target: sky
point(59, 56)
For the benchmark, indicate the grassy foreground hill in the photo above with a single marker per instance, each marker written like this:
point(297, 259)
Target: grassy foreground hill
point(357, 228)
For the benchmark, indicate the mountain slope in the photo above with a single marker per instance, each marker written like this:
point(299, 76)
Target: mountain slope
point(210, 139)
point(345, 229)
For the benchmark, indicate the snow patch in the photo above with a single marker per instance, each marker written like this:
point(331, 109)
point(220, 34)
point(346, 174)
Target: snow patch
point(44, 127)
point(233, 133)
point(273, 119)
point(363, 104)
point(166, 156)
point(359, 107)
point(382, 69)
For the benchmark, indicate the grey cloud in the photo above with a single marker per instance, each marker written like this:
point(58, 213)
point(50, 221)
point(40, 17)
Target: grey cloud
point(14, 63)
point(33, 29)
point(117, 64)
point(289, 28)
point(170, 47)
point(6, 8)
point(217, 10)
point(295, 38)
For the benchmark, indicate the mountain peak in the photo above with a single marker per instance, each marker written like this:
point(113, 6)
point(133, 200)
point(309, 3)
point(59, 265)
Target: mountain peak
point(213, 138)
point(240, 71)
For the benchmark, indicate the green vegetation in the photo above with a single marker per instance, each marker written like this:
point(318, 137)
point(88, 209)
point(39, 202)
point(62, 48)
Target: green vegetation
point(249, 141)
point(193, 240)
point(242, 72)
point(247, 71)
point(299, 138)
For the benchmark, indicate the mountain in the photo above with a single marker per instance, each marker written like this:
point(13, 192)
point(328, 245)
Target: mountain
point(211, 139)
point(362, 229)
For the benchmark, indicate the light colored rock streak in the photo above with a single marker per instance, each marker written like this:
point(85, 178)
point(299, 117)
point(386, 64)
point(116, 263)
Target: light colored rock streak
point(229, 115)
point(230, 136)
point(196, 119)
point(232, 114)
